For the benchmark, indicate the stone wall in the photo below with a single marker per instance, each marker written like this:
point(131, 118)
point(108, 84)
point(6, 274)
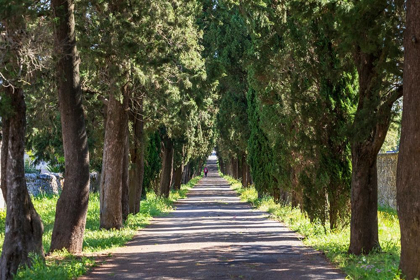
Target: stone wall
point(95, 180)
point(39, 184)
point(387, 176)
point(43, 184)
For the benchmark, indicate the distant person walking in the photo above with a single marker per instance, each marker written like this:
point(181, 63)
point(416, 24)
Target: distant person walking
point(205, 171)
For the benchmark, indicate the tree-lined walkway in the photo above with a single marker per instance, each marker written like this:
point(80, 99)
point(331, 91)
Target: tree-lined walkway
point(212, 235)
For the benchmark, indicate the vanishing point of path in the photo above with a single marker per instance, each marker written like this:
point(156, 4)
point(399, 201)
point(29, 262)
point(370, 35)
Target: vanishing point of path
point(213, 235)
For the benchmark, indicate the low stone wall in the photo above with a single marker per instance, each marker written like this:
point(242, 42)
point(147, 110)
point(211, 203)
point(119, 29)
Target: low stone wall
point(42, 184)
point(387, 180)
point(53, 183)
point(95, 179)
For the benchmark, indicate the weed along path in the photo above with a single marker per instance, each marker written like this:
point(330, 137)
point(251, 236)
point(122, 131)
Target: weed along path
point(212, 235)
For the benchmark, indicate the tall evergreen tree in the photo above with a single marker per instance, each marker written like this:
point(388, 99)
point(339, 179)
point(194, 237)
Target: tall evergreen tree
point(306, 101)
point(260, 153)
point(227, 41)
point(408, 176)
point(72, 205)
point(24, 226)
point(372, 32)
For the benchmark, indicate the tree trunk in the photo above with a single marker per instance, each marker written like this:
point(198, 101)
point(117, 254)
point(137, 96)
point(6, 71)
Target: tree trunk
point(112, 164)
point(365, 148)
point(237, 168)
point(4, 150)
point(197, 172)
point(408, 175)
point(235, 172)
point(137, 162)
point(248, 174)
point(244, 172)
point(240, 168)
point(177, 177)
point(185, 172)
point(71, 210)
point(364, 202)
point(221, 165)
point(125, 206)
point(333, 212)
point(23, 225)
point(167, 160)
point(228, 167)
point(276, 194)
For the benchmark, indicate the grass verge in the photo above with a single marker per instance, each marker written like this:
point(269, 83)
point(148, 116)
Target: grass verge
point(381, 265)
point(97, 242)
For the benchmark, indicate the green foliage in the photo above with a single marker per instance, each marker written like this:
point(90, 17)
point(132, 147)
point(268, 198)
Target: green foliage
point(334, 243)
point(58, 167)
point(303, 104)
point(151, 55)
point(226, 42)
point(30, 167)
point(62, 265)
point(392, 140)
point(70, 267)
point(373, 30)
point(260, 154)
point(153, 162)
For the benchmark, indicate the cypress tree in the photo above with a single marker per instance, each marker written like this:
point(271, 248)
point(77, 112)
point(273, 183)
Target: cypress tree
point(408, 160)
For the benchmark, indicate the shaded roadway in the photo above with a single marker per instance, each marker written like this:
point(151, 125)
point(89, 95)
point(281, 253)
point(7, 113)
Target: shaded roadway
point(213, 235)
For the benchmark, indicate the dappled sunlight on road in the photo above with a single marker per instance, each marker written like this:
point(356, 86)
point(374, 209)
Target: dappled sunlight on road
point(213, 235)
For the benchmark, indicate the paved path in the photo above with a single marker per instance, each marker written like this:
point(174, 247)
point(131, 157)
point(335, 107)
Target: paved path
point(212, 235)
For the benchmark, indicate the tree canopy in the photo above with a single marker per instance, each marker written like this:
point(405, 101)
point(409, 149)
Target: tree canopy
point(296, 97)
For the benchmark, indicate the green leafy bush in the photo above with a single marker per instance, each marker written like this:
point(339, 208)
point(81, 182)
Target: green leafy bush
point(30, 167)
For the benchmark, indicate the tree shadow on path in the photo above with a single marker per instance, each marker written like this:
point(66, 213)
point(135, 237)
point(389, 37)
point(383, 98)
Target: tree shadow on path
point(213, 235)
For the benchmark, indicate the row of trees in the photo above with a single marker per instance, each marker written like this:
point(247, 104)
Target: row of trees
point(134, 102)
point(304, 92)
point(312, 88)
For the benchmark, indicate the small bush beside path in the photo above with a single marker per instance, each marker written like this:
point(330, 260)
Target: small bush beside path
point(379, 265)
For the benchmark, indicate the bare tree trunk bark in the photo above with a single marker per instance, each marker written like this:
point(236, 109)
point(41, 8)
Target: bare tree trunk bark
point(185, 173)
point(4, 150)
point(297, 193)
point(112, 167)
point(125, 206)
point(364, 186)
point(23, 225)
point(71, 210)
point(364, 203)
point(221, 165)
point(167, 160)
point(236, 168)
point(137, 161)
point(197, 172)
point(248, 174)
point(177, 177)
point(333, 213)
point(408, 175)
point(228, 167)
point(240, 166)
point(244, 171)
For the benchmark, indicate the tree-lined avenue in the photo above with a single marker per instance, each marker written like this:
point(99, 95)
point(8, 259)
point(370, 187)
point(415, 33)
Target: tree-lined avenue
point(212, 235)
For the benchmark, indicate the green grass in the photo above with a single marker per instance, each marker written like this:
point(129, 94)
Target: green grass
point(377, 265)
point(62, 265)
